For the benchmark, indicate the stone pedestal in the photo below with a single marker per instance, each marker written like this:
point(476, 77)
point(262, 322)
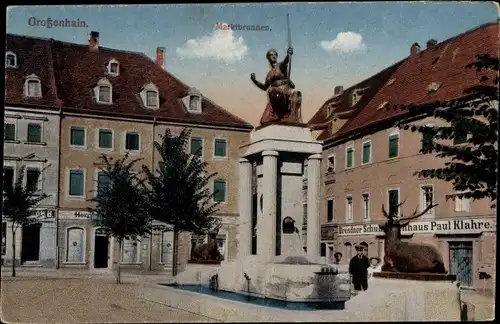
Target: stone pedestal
point(416, 297)
point(280, 151)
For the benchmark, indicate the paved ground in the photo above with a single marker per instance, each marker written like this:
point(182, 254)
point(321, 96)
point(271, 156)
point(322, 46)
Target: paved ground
point(37, 296)
point(57, 299)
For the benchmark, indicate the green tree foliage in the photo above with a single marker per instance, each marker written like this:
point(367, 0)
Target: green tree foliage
point(178, 191)
point(19, 206)
point(120, 208)
point(469, 138)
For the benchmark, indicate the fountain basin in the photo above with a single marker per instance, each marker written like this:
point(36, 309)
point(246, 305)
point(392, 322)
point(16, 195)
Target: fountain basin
point(262, 300)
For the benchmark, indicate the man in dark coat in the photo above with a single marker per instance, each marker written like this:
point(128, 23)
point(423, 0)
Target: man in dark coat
point(358, 268)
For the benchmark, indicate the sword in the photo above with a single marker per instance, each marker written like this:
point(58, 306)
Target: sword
point(289, 44)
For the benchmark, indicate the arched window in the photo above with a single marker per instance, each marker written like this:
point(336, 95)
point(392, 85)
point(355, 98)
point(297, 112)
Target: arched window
point(75, 245)
point(33, 86)
point(348, 251)
point(167, 247)
point(10, 60)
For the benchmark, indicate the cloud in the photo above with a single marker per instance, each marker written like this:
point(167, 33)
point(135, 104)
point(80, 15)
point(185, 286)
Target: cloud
point(345, 42)
point(221, 45)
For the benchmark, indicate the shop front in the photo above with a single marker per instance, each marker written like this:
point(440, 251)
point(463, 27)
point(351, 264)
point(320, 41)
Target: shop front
point(466, 244)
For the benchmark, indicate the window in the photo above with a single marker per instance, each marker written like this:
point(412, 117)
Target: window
point(393, 202)
point(304, 213)
point(151, 98)
point(221, 245)
point(113, 68)
point(34, 133)
point(167, 243)
point(462, 204)
point(76, 183)
point(427, 140)
point(393, 145)
point(105, 138)
point(130, 251)
point(9, 132)
point(366, 205)
point(10, 60)
point(220, 190)
point(195, 241)
point(102, 181)
point(459, 137)
point(329, 210)
point(367, 153)
point(33, 179)
point(322, 250)
point(426, 197)
point(8, 177)
point(331, 164)
point(196, 146)
point(194, 103)
point(349, 208)
point(220, 148)
point(34, 88)
point(75, 245)
point(349, 161)
point(132, 142)
point(103, 91)
point(105, 94)
point(77, 136)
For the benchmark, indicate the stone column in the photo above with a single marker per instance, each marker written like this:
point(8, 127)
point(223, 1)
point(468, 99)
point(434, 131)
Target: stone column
point(313, 219)
point(266, 245)
point(245, 209)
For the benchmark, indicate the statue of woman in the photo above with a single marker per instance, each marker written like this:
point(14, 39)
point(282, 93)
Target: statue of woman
point(283, 103)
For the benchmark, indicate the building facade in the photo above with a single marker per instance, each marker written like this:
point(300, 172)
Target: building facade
point(368, 162)
point(31, 142)
point(116, 102)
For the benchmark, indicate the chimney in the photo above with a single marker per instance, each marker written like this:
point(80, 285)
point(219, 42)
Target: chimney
point(94, 41)
point(160, 56)
point(414, 49)
point(431, 43)
point(338, 90)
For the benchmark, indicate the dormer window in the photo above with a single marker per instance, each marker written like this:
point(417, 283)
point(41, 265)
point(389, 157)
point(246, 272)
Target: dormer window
point(10, 60)
point(356, 95)
point(193, 101)
point(113, 68)
point(104, 92)
point(150, 96)
point(33, 87)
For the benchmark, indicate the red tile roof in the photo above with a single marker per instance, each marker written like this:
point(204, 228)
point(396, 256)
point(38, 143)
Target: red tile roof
point(341, 105)
point(69, 72)
point(443, 64)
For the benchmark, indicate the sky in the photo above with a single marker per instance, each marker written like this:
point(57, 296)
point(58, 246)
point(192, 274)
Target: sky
point(334, 43)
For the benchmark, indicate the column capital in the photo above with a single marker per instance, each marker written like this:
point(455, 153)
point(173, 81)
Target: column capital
point(315, 157)
point(270, 153)
point(243, 160)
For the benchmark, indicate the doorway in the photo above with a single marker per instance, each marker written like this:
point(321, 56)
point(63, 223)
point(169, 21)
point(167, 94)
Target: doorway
point(461, 262)
point(30, 246)
point(101, 245)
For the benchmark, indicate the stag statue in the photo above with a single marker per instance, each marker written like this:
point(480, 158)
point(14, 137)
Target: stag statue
point(408, 257)
point(209, 250)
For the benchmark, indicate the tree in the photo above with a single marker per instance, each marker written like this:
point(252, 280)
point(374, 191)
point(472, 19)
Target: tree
point(120, 207)
point(177, 192)
point(472, 124)
point(19, 206)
